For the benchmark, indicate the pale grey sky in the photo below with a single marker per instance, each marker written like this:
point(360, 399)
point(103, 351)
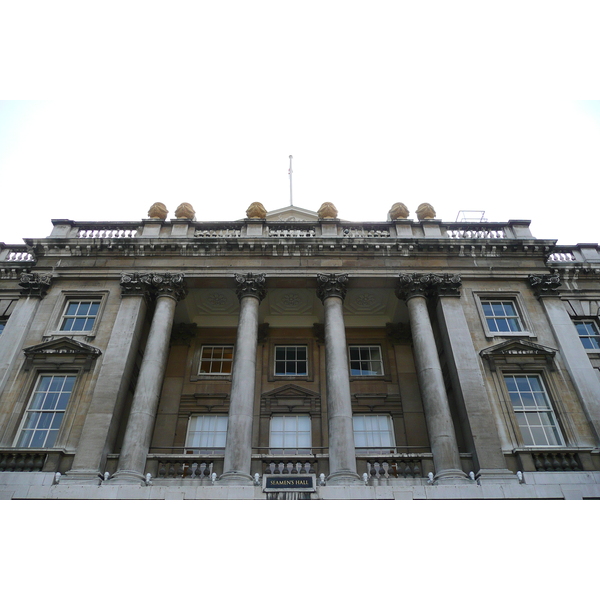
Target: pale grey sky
point(203, 103)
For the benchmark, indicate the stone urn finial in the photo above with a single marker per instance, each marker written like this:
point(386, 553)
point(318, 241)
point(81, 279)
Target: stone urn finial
point(398, 211)
point(256, 211)
point(425, 211)
point(327, 211)
point(185, 211)
point(158, 211)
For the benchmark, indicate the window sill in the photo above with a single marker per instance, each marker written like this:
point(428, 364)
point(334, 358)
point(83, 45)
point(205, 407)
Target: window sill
point(208, 376)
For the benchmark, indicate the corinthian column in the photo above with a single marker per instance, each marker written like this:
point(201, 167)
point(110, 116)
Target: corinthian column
point(238, 448)
point(168, 288)
point(414, 289)
point(331, 291)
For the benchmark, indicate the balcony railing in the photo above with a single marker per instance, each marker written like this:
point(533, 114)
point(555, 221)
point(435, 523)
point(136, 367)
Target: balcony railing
point(556, 461)
point(26, 461)
point(15, 253)
point(182, 229)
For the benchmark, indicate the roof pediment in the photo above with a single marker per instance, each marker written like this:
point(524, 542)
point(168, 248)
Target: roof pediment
point(292, 213)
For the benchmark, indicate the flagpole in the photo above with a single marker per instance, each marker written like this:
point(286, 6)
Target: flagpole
point(290, 173)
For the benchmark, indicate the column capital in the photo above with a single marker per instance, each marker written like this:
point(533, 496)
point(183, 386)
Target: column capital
point(250, 284)
point(35, 285)
point(428, 285)
point(332, 284)
point(545, 284)
point(169, 284)
point(136, 284)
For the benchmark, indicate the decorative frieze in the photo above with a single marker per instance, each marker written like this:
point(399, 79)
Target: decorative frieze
point(251, 284)
point(329, 285)
point(35, 285)
point(545, 284)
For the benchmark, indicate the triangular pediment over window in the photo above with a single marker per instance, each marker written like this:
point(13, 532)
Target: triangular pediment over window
point(518, 352)
point(290, 398)
point(61, 352)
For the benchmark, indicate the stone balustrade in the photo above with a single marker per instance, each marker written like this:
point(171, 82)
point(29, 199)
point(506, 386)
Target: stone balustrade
point(106, 233)
point(25, 461)
point(182, 229)
point(289, 467)
point(180, 466)
point(15, 253)
point(556, 461)
point(383, 469)
point(580, 253)
point(473, 232)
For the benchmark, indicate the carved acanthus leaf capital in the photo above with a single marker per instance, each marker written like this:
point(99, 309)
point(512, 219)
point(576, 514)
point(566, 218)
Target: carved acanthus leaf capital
point(134, 284)
point(152, 285)
point(332, 284)
point(545, 284)
point(35, 284)
point(449, 285)
point(251, 284)
point(169, 284)
point(428, 285)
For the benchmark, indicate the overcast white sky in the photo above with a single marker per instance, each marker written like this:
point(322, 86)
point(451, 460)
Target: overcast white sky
point(378, 103)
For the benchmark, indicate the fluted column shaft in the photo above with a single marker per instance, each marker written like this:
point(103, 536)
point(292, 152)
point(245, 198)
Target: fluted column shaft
point(238, 448)
point(342, 454)
point(442, 436)
point(138, 435)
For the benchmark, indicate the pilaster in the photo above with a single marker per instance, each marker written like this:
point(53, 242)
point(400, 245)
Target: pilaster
point(585, 381)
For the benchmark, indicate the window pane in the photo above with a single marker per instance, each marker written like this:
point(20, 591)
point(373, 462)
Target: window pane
point(216, 360)
point(365, 360)
point(51, 395)
point(373, 431)
point(291, 360)
point(533, 410)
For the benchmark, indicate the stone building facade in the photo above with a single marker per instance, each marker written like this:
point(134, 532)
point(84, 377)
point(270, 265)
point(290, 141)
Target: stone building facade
point(293, 354)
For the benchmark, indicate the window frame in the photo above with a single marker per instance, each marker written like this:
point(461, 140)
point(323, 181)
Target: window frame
point(65, 316)
point(68, 296)
point(290, 375)
point(552, 408)
point(382, 449)
point(219, 375)
point(33, 391)
point(212, 450)
point(291, 450)
point(381, 360)
point(594, 323)
point(515, 298)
